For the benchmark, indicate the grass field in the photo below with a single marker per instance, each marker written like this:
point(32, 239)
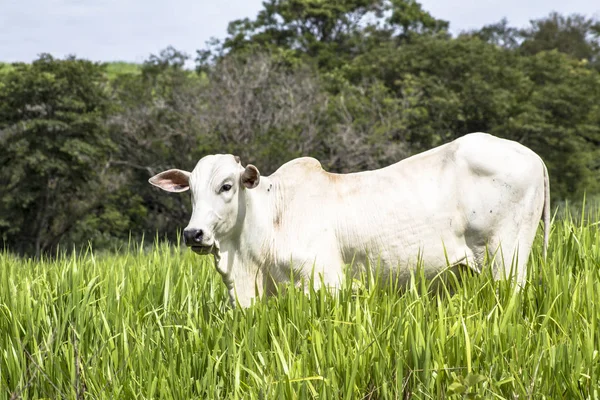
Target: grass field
point(155, 323)
point(117, 68)
point(113, 69)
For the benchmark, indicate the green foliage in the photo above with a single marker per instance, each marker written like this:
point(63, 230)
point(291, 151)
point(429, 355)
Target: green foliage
point(574, 35)
point(368, 128)
point(152, 129)
point(330, 33)
point(53, 147)
point(548, 102)
point(5, 68)
point(500, 34)
point(561, 121)
point(155, 324)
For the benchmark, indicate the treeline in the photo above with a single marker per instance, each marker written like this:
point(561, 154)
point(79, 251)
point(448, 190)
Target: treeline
point(358, 84)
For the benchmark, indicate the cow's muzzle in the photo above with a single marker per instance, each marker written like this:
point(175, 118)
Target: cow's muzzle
point(193, 237)
point(196, 240)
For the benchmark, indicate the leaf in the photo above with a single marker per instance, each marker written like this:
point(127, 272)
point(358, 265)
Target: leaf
point(474, 379)
point(457, 387)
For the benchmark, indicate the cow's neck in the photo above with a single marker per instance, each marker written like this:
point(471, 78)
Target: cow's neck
point(244, 256)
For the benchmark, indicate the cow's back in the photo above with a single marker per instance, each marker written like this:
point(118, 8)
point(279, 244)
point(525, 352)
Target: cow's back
point(449, 201)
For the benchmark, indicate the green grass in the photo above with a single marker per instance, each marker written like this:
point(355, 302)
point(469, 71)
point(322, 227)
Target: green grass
point(155, 324)
point(113, 69)
point(117, 68)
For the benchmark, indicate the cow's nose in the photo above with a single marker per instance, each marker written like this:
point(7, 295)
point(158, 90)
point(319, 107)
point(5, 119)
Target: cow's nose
point(193, 236)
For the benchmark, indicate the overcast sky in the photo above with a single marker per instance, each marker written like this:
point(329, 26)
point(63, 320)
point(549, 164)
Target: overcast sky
point(131, 30)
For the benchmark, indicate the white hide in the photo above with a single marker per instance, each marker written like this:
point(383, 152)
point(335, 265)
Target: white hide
point(453, 200)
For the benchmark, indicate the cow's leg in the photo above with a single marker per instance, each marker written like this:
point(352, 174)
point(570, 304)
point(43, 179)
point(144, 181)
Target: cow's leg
point(325, 269)
point(513, 256)
point(328, 274)
point(509, 251)
point(505, 241)
point(304, 269)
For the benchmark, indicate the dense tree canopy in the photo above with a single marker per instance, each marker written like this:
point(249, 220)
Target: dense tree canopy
point(327, 33)
point(358, 84)
point(574, 35)
point(53, 147)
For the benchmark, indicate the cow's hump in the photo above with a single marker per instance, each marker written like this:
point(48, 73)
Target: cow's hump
point(300, 165)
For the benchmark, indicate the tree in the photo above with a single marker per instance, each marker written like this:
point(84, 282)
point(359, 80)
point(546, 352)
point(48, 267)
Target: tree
point(367, 128)
point(53, 150)
point(499, 34)
point(548, 101)
point(261, 109)
point(267, 112)
point(328, 33)
point(154, 128)
point(560, 119)
point(574, 35)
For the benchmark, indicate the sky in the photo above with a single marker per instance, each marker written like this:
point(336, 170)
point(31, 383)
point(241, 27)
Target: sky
point(131, 30)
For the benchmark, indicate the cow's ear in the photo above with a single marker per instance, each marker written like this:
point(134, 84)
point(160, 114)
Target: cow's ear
point(173, 180)
point(250, 177)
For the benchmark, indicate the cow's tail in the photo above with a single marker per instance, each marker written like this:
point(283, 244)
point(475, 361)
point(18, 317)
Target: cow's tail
point(546, 212)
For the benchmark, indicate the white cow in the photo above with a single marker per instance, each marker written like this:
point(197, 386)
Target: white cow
point(460, 200)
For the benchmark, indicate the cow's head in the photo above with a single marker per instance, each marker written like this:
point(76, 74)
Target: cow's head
point(217, 184)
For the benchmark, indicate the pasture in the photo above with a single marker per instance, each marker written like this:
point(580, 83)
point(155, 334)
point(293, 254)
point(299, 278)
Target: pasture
point(154, 322)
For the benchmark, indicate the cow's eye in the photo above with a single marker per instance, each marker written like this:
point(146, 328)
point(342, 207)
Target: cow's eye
point(226, 187)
